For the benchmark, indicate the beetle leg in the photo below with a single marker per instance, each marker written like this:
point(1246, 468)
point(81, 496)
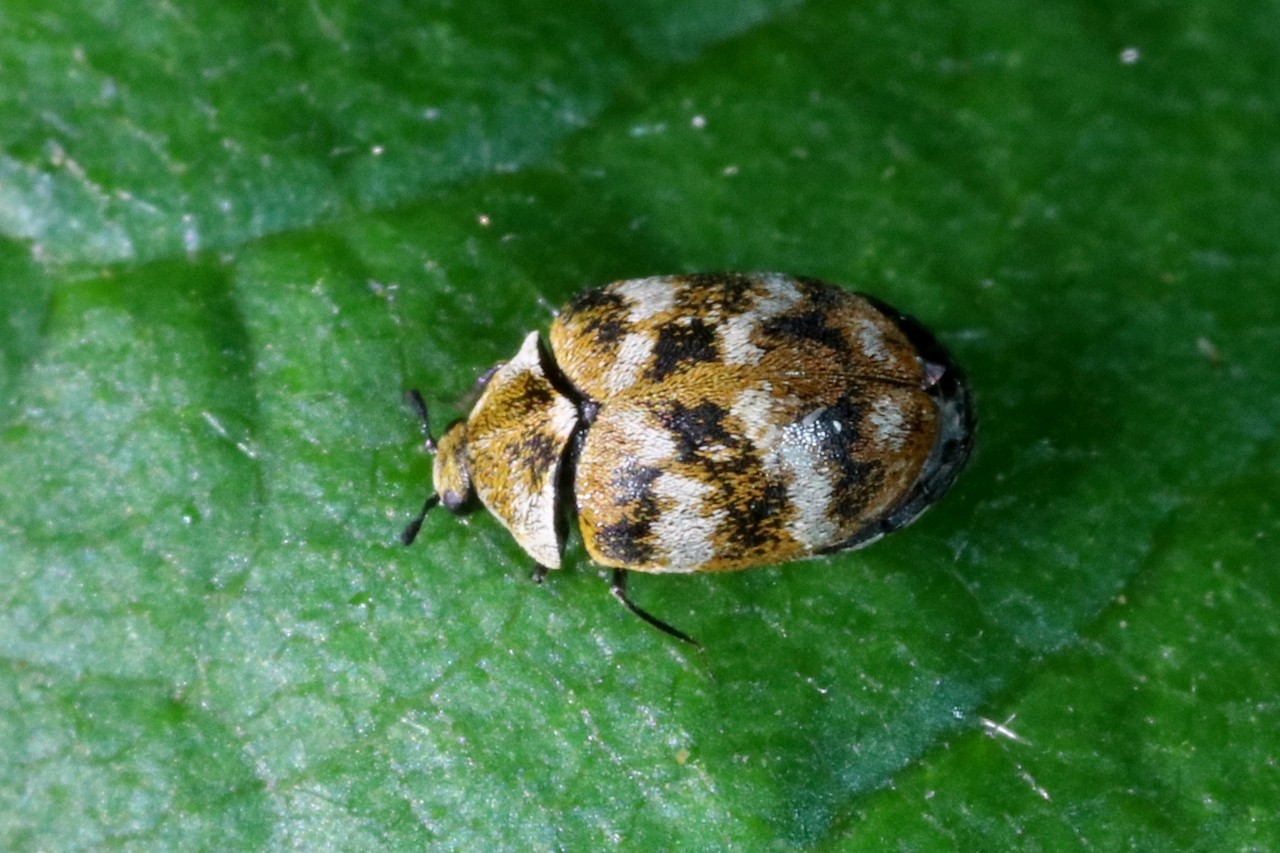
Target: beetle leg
point(539, 573)
point(618, 586)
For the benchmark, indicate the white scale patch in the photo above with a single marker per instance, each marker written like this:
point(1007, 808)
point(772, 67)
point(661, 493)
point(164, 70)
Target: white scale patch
point(886, 417)
point(526, 360)
point(808, 480)
point(781, 294)
point(790, 454)
point(872, 340)
point(736, 346)
point(649, 443)
point(649, 297)
point(755, 409)
point(684, 530)
point(735, 340)
point(635, 350)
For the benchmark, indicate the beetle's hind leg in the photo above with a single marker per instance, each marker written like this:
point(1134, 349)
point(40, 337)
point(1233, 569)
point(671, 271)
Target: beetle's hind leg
point(618, 586)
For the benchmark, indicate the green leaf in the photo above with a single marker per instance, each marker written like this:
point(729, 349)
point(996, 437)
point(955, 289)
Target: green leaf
point(232, 235)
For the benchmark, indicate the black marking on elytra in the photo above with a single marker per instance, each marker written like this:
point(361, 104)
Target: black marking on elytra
point(603, 299)
point(629, 539)
point(603, 310)
point(807, 325)
point(836, 428)
point(733, 467)
point(681, 344)
point(633, 483)
point(626, 541)
point(823, 295)
point(762, 522)
point(697, 429)
point(722, 294)
point(856, 478)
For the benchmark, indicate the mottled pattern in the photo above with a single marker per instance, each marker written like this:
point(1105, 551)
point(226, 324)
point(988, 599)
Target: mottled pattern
point(719, 422)
point(680, 345)
point(742, 420)
point(627, 536)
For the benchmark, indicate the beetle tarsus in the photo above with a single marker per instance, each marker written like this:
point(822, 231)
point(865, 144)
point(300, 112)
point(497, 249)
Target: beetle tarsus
point(539, 573)
point(618, 586)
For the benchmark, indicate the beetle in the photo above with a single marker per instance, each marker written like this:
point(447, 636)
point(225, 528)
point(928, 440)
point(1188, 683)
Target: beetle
point(710, 422)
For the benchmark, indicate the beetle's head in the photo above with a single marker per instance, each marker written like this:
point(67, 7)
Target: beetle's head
point(450, 475)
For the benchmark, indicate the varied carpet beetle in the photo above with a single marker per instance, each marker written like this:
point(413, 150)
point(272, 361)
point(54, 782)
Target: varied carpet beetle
point(704, 423)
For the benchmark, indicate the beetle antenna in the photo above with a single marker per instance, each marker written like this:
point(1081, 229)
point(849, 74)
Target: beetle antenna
point(414, 398)
point(618, 586)
point(411, 530)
